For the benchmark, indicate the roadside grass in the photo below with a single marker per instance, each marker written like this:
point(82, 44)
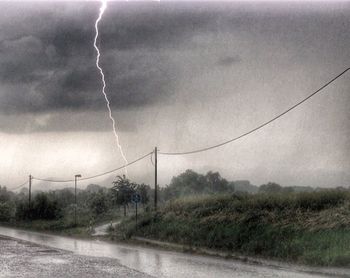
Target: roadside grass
point(55, 226)
point(309, 228)
point(66, 225)
point(86, 221)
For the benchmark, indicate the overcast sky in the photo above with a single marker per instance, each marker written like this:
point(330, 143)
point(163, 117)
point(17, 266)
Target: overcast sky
point(180, 76)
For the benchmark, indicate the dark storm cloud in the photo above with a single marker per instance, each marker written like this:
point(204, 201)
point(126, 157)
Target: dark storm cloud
point(52, 122)
point(228, 61)
point(47, 61)
point(51, 66)
point(20, 60)
point(152, 27)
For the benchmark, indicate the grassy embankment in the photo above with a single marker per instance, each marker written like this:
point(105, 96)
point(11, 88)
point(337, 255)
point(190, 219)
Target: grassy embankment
point(308, 228)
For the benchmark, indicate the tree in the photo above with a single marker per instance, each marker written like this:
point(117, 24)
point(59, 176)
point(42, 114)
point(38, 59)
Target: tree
point(64, 197)
point(6, 211)
point(190, 182)
point(123, 190)
point(271, 187)
point(42, 207)
point(45, 208)
point(215, 183)
point(5, 195)
point(144, 190)
point(186, 183)
point(98, 203)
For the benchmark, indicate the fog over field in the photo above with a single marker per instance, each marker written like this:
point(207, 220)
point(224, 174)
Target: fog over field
point(180, 76)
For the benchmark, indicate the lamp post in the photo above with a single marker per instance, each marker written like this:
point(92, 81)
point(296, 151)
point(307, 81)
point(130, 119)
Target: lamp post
point(75, 198)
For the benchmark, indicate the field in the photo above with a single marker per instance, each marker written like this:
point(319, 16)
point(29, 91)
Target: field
point(309, 228)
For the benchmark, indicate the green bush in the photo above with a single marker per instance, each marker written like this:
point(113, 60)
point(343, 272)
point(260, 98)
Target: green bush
point(41, 208)
point(6, 211)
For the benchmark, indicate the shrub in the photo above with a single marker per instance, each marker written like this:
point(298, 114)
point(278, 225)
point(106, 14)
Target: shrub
point(41, 208)
point(6, 211)
point(98, 203)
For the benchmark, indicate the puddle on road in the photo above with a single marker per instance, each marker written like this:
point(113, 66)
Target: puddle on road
point(49, 260)
point(47, 251)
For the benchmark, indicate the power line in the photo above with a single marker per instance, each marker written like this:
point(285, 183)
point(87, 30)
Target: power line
point(260, 126)
point(198, 150)
point(98, 175)
point(152, 158)
point(19, 186)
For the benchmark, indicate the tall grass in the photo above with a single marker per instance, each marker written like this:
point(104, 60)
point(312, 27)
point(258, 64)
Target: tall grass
point(312, 228)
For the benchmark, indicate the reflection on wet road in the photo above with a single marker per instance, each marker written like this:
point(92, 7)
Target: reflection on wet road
point(20, 258)
point(155, 262)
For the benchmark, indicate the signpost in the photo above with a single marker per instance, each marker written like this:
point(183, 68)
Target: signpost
point(136, 198)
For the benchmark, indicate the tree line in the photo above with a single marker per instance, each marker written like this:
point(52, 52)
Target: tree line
point(92, 202)
point(96, 200)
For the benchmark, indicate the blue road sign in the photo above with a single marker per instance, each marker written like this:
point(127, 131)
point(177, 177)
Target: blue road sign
point(136, 198)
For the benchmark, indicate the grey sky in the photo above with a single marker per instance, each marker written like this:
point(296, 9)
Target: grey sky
point(179, 76)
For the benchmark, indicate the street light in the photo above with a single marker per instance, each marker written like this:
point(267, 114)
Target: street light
point(75, 198)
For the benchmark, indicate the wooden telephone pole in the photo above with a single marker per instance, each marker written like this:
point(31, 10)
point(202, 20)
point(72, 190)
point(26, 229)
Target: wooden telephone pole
point(155, 179)
point(30, 190)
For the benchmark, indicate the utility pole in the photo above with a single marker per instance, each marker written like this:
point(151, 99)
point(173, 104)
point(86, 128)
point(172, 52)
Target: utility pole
point(136, 214)
point(30, 190)
point(155, 179)
point(75, 198)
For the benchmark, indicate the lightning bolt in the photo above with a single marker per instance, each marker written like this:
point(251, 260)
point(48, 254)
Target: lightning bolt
point(102, 10)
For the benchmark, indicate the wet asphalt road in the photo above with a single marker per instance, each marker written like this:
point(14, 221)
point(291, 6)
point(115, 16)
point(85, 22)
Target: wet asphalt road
point(95, 258)
point(24, 259)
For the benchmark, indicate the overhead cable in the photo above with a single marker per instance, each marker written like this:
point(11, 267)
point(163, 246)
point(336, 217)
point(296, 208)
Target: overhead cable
point(98, 175)
point(260, 126)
